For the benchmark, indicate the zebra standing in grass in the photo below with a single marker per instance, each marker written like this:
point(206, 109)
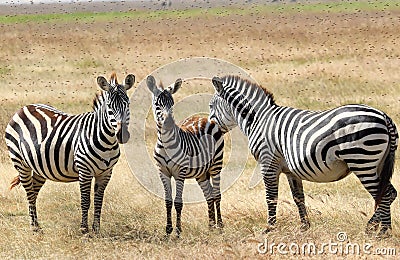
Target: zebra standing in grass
point(192, 150)
point(306, 145)
point(47, 144)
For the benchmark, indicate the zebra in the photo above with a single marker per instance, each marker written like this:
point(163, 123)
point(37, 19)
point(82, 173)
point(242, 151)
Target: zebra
point(309, 145)
point(192, 150)
point(47, 144)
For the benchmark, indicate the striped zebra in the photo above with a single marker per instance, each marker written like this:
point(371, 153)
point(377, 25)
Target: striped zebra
point(192, 150)
point(47, 144)
point(307, 145)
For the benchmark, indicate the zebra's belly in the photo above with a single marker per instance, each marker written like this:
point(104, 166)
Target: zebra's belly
point(174, 167)
point(59, 176)
point(336, 170)
point(49, 162)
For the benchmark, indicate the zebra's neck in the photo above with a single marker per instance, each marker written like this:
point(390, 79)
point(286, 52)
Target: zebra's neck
point(103, 121)
point(252, 111)
point(168, 133)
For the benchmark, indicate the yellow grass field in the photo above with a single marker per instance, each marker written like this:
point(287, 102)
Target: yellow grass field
point(310, 55)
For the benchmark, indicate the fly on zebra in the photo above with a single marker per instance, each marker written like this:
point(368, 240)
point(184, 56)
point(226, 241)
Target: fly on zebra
point(307, 145)
point(193, 149)
point(47, 144)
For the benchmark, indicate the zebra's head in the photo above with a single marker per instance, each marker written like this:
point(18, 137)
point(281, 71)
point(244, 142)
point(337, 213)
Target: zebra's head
point(220, 110)
point(117, 104)
point(162, 99)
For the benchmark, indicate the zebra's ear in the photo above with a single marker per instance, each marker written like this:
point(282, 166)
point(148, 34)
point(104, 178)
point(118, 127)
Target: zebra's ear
point(103, 84)
point(217, 82)
point(177, 85)
point(129, 81)
point(151, 84)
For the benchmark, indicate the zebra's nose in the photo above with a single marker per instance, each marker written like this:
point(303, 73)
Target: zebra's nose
point(122, 133)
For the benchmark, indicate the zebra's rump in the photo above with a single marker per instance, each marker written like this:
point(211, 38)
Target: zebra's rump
point(41, 138)
point(325, 144)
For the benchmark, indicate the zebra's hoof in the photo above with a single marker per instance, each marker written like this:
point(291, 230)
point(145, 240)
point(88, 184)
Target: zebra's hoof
point(169, 229)
point(211, 225)
point(96, 229)
point(385, 232)
point(220, 224)
point(305, 226)
point(37, 229)
point(269, 229)
point(372, 227)
point(84, 230)
point(178, 232)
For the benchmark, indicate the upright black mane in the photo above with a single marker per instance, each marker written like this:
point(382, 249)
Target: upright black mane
point(248, 84)
point(98, 100)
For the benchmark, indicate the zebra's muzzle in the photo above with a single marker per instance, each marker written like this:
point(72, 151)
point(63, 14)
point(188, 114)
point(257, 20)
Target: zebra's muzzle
point(122, 133)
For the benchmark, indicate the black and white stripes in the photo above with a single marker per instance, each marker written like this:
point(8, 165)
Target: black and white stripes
point(307, 145)
point(47, 144)
point(192, 150)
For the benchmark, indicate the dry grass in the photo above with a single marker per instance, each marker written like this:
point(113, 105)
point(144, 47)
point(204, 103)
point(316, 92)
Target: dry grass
point(309, 60)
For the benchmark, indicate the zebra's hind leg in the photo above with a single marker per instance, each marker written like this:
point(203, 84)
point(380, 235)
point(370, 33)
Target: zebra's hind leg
point(384, 210)
point(38, 182)
point(373, 223)
point(216, 180)
point(178, 203)
point(32, 184)
point(85, 183)
point(370, 182)
point(99, 188)
point(296, 187)
point(207, 191)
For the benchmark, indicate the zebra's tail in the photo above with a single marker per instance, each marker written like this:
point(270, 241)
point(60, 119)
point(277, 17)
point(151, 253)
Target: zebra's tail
point(15, 182)
point(388, 165)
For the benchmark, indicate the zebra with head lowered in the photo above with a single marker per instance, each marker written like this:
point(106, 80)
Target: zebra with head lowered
point(314, 146)
point(47, 144)
point(192, 150)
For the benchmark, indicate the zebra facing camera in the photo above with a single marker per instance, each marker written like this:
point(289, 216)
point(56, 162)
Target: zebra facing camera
point(194, 102)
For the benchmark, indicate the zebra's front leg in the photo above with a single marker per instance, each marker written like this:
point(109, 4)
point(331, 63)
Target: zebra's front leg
point(296, 187)
point(178, 203)
point(85, 186)
point(166, 181)
point(100, 185)
point(271, 188)
point(207, 191)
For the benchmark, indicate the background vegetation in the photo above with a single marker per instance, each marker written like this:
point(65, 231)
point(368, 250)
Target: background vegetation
point(310, 55)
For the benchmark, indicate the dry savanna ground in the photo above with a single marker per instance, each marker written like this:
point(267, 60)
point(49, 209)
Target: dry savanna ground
point(310, 55)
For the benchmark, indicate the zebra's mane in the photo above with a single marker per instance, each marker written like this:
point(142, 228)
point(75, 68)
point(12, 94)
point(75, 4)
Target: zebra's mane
point(98, 100)
point(240, 83)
